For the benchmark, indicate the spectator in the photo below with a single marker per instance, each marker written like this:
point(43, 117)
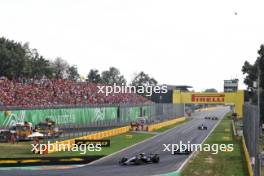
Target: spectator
point(48, 93)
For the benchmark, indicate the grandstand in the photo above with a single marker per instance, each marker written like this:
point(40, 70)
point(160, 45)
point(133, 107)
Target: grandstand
point(52, 93)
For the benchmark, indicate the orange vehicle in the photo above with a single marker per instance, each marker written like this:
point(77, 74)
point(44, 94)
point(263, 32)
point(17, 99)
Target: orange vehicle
point(48, 128)
point(139, 124)
point(22, 130)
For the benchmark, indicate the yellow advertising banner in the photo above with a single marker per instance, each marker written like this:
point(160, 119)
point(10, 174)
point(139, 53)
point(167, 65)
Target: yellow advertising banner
point(230, 98)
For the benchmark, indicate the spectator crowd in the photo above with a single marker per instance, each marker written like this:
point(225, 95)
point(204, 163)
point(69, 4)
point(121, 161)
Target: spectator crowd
point(50, 93)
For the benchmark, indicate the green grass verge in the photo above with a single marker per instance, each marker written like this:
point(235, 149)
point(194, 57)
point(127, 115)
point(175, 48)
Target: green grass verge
point(23, 149)
point(223, 163)
point(117, 143)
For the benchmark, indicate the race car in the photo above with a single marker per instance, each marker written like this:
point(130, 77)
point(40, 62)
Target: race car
point(207, 117)
point(140, 159)
point(202, 127)
point(185, 151)
point(214, 118)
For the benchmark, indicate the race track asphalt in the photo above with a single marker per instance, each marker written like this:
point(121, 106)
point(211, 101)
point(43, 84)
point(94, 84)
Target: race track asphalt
point(108, 166)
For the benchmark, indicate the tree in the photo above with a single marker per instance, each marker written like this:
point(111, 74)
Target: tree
point(143, 80)
point(72, 73)
point(260, 63)
point(94, 76)
point(251, 72)
point(112, 76)
point(60, 68)
point(17, 60)
point(210, 90)
point(12, 58)
point(37, 66)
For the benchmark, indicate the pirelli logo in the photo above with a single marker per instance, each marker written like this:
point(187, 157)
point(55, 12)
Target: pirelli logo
point(208, 98)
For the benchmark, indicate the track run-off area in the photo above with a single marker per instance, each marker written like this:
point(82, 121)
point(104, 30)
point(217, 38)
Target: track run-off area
point(108, 166)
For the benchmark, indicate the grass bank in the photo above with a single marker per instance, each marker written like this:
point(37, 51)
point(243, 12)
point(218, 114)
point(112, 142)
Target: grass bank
point(23, 149)
point(223, 163)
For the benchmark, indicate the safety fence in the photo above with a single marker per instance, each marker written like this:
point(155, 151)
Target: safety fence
point(251, 133)
point(92, 116)
point(82, 121)
point(236, 128)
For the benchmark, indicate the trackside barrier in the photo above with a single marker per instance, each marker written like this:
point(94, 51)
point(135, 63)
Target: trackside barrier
point(236, 134)
point(99, 135)
point(113, 132)
point(234, 128)
point(245, 150)
point(166, 123)
point(33, 161)
point(247, 157)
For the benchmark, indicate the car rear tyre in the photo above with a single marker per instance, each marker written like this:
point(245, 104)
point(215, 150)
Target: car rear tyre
point(122, 161)
point(156, 159)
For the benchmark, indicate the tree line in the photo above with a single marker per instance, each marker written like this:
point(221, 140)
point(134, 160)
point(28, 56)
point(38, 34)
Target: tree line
point(18, 60)
point(251, 72)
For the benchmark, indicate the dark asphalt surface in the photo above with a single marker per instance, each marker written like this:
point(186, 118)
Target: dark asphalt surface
point(108, 166)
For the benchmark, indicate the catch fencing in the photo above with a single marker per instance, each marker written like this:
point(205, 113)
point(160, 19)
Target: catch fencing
point(251, 132)
point(80, 121)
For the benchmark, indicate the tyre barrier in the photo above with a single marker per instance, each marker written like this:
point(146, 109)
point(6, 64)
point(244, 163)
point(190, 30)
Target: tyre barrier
point(41, 161)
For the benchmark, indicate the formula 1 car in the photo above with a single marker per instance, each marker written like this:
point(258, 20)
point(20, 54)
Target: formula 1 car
point(140, 160)
point(202, 127)
point(214, 118)
point(207, 117)
point(182, 152)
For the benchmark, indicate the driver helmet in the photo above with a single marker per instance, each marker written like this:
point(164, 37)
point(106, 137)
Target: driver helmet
point(142, 154)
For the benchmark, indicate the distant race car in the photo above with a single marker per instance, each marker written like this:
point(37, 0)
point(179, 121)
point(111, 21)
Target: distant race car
point(140, 159)
point(202, 127)
point(214, 118)
point(206, 117)
point(182, 152)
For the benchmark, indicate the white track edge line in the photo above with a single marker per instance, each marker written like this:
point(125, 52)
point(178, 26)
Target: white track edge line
point(101, 159)
point(184, 163)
